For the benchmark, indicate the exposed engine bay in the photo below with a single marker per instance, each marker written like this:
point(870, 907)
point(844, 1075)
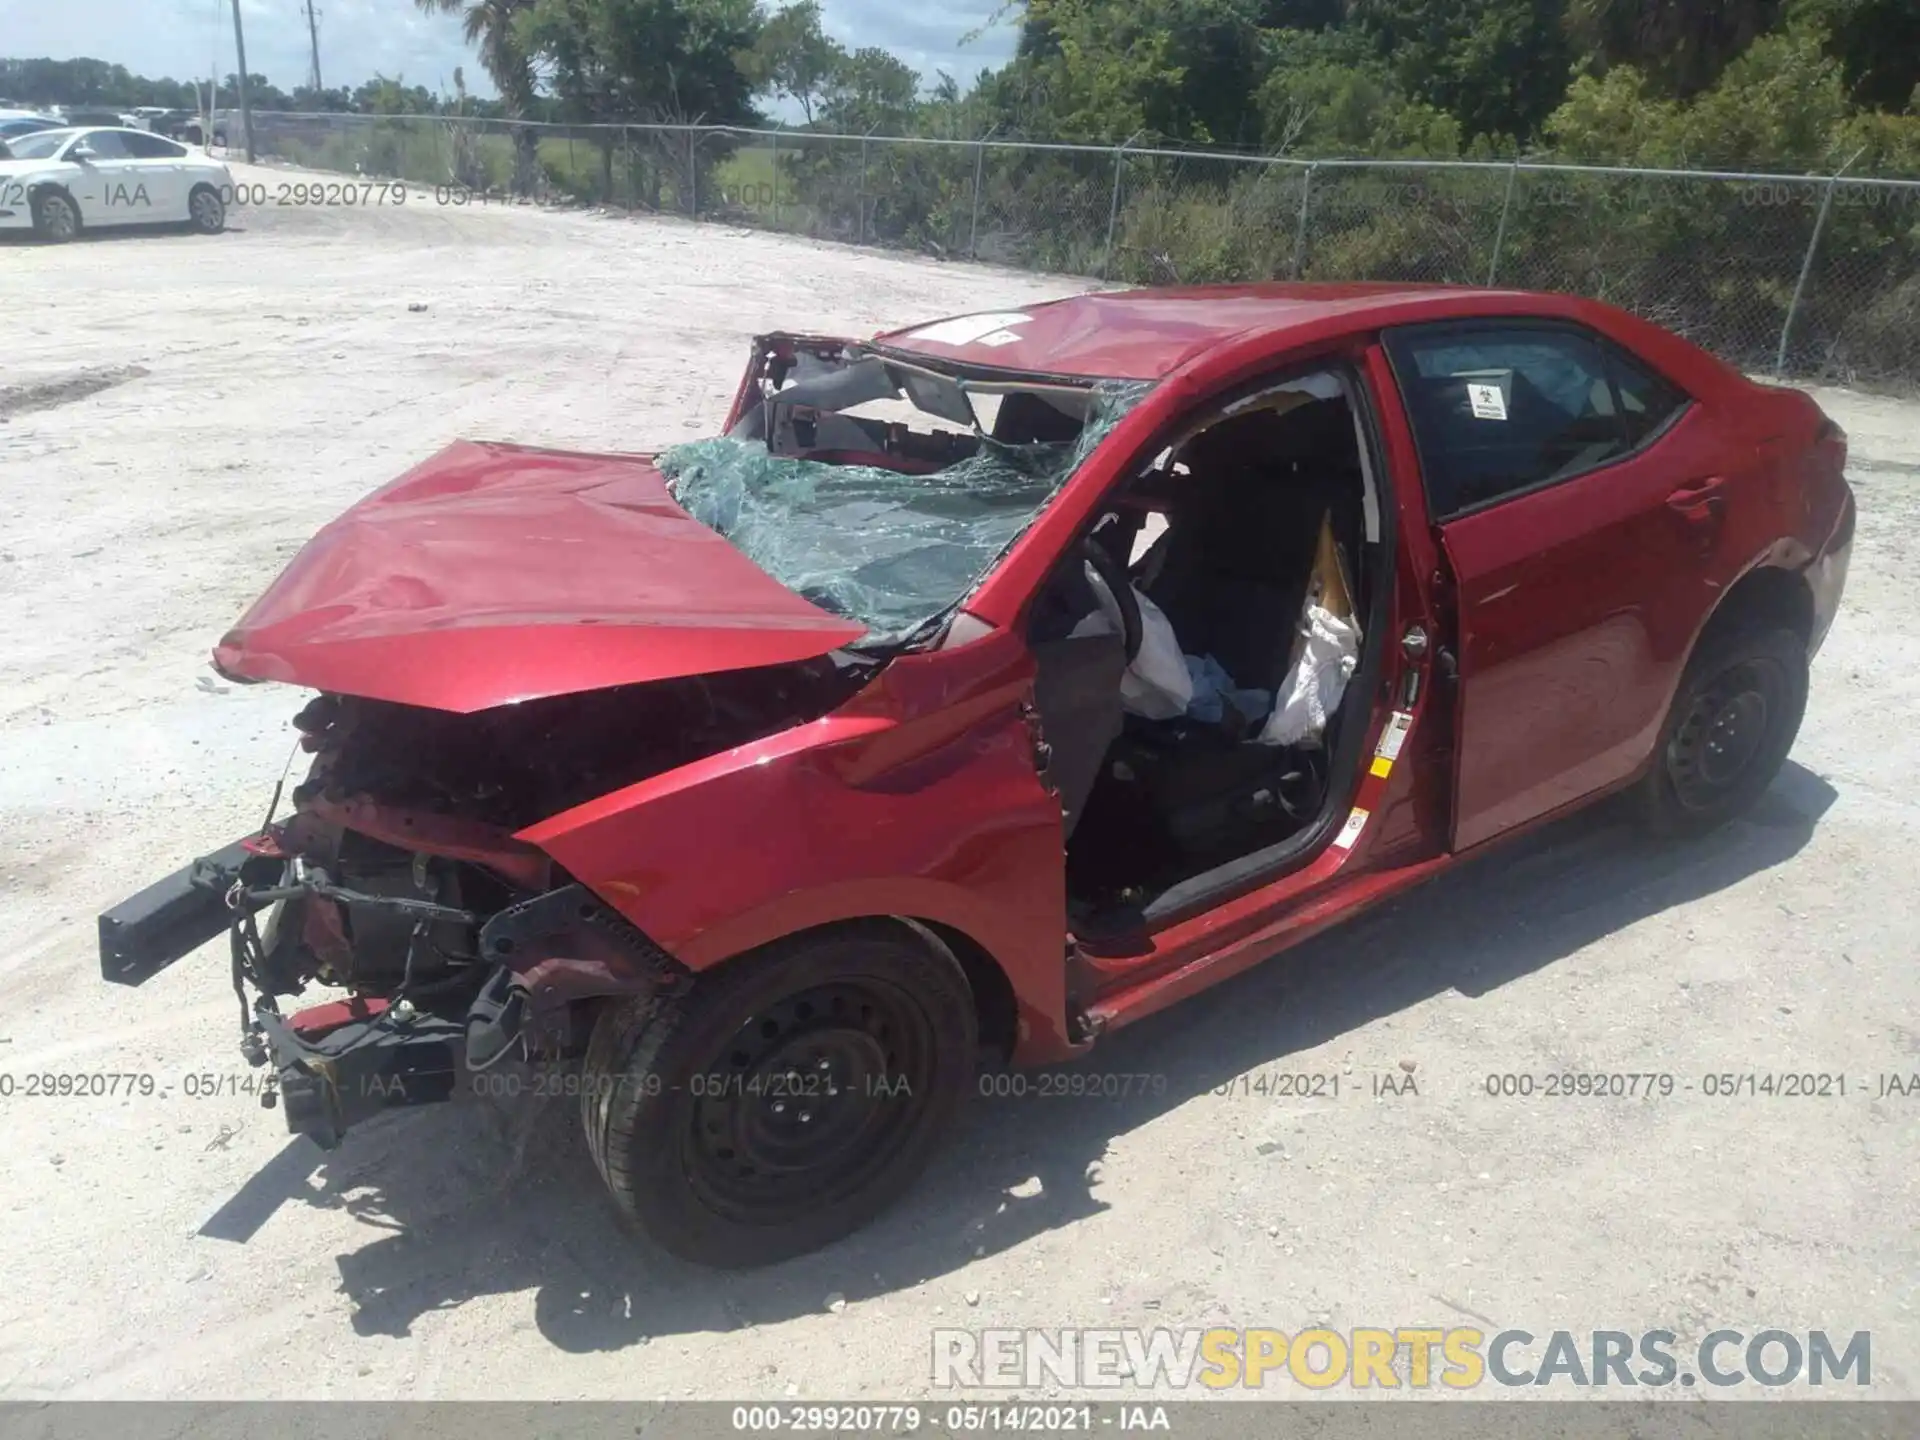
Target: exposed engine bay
point(397, 880)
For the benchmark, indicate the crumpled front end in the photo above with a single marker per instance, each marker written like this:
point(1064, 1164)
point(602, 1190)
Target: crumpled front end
point(396, 886)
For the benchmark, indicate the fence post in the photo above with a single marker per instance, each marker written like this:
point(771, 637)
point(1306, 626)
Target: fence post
point(1500, 235)
point(693, 175)
point(860, 233)
point(1113, 209)
point(1806, 268)
point(776, 179)
point(1300, 235)
point(973, 228)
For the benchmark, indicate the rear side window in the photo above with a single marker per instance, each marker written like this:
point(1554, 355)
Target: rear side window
point(1500, 410)
point(106, 145)
point(1647, 402)
point(152, 147)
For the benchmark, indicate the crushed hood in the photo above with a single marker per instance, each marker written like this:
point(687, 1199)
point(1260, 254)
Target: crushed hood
point(493, 573)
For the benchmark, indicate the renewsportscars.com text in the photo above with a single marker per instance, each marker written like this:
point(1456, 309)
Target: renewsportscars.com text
point(1411, 1357)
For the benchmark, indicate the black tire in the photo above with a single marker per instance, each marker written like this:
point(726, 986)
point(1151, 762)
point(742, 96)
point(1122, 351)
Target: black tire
point(1733, 720)
point(684, 1093)
point(56, 219)
point(206, 211)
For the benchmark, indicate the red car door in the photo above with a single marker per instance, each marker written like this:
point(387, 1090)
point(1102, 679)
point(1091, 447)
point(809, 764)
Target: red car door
point(1581, 515)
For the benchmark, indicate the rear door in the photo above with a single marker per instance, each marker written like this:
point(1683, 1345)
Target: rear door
point(159, 165)
point(1579, 513)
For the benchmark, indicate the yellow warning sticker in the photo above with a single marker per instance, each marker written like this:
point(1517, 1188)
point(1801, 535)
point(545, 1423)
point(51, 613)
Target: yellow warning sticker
point(1391, 739)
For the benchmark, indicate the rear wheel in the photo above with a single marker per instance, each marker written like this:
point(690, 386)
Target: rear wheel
point(1733, 721)
point(786, 1098)
point(55, 218)
point(206, 210)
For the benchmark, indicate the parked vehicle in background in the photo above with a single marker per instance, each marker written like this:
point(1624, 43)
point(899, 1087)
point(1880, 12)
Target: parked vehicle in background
point(182, 125)
point(15, 124)
point(82, 115)
point(1001, 680)
point(59, 182)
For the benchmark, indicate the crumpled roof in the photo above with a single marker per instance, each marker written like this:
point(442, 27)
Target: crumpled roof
point(887, 549)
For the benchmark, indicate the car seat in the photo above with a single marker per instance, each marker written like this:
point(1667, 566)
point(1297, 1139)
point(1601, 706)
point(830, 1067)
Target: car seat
point(1234, 580)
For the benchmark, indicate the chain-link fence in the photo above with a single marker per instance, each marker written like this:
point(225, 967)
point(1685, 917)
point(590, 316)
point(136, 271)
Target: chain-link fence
point(1816, 277)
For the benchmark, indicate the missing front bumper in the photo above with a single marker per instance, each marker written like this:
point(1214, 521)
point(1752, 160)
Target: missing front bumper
point(171, 918)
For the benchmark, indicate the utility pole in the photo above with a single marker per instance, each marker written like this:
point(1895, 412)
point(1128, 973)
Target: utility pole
point(246, 111)
point(313, 35)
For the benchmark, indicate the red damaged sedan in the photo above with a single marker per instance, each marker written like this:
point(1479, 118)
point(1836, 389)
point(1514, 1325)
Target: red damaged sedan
point(985, 686)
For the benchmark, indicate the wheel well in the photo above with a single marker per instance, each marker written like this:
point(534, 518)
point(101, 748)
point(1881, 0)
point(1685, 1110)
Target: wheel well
point(1766, 595)
point(994, 1005)
point(995, 1008)
point(993, 1002)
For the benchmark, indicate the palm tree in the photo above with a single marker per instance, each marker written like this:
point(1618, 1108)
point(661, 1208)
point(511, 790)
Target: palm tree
point(490, 28)
point(1684, 44)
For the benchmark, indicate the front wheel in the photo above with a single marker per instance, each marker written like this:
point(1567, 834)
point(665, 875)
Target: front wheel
point(206, 211)
point(1732, 723)
point(55, 219)
point(785, 1099)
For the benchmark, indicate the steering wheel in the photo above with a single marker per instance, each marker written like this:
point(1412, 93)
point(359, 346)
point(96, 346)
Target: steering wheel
point(1113, 575)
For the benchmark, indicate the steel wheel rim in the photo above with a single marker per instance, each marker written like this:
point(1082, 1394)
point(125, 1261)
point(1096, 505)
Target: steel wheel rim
point(205, 210)
point(807, 1101)
point(60, 221)
point(1724, 731)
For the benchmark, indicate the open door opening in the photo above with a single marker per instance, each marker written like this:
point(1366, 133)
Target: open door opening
point(1197, 656)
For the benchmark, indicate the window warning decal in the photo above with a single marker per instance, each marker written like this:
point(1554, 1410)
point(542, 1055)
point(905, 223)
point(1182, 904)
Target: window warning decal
point(1391, 739)
point(1487, 402)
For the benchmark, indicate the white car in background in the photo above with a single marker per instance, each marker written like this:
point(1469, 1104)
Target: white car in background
point(59, 182)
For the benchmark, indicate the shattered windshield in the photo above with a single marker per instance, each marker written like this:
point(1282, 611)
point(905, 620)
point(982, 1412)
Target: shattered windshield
point(884, 521)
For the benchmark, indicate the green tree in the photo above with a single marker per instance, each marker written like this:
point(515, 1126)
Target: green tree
point(493, 27)
point(384, 95)
point(1328, 93)
point(871, 91)
point(1877, 42)
point(669, 60)
point(1163, 69)
point(1498, 66)
point(794, 59)
point(262, 93)
point(331, 100)
point(1682, 45)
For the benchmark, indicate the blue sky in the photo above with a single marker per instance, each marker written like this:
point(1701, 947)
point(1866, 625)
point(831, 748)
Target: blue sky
point(181, 38)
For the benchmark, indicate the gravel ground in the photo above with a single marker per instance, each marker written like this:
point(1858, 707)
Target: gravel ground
point(181, 412)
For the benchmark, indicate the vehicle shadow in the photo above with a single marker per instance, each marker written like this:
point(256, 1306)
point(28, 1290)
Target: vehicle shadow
point(110, 234)
point(490, 1198)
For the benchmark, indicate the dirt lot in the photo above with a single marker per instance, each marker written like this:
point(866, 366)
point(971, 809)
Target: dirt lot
point(186, 410)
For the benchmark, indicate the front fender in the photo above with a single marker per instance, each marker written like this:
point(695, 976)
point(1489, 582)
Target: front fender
point(919, 798)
